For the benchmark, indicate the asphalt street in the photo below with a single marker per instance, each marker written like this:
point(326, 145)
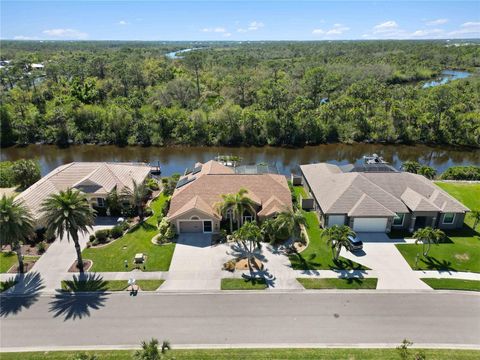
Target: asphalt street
point(276, 319)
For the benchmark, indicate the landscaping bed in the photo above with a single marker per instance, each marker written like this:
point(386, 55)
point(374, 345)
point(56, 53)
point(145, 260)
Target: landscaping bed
point(243, 284)
point(9, 262)
point(87, 264)
point(112, 257)
point(318, 255)
point(335, 283)
point(452, 284)
point(108, 285)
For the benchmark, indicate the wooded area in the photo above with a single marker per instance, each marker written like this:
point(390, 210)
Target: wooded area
point(273, 93)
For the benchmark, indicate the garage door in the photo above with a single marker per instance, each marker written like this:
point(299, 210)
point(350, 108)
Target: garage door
point(192, 226)
point(370, 224)
point(336, 220)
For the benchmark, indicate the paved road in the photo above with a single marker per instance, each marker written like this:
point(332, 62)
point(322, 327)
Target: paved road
point(298, 318)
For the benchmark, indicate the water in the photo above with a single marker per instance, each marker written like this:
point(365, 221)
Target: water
point(176, 159)
point(447, 76)
point(174, 54)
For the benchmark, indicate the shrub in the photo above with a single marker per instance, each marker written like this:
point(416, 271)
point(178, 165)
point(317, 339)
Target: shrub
point(230, 265)
point(101, 211)
point(166, 231)
point(92, 237)
point(6, 174)
point(148, 212)
point(462, 173)
point(116, 231)
point(26, 172)
point(41, 247)
point(102, 235)
point(125, 226)
point(152, 184)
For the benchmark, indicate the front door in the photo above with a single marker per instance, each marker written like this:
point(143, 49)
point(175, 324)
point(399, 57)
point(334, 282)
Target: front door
point(207, 226)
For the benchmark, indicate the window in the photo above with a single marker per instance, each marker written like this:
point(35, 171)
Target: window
point(207, 226)
point(248, 218)
point(101, 202)
point(398, 219)
point(195, 218)
point(448, 218)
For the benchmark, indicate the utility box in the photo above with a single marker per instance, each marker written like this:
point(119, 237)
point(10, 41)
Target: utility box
point(307, 204)
point(296, 180)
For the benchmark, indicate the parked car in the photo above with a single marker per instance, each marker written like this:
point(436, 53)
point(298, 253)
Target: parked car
point(355, 243)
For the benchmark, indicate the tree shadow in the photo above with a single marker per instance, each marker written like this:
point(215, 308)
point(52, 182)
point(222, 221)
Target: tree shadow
point(240, 250)
point(345, 264)
point(465, 231)
point(260, 276)
point(85, 292)
point(435, 264)
point(23, 294)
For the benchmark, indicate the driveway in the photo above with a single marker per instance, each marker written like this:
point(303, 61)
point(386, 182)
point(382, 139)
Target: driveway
point(381, 255)
point(196, 265)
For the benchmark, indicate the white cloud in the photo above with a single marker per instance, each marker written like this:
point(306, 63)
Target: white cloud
point(122, 22)
point(436, 22)
point(227, 34)
point(22, 37)
point(469, 29)
point(215, 30)
point(253, 26)
point(66, 34)
point(387, 26)
point(337, 29)
point(429, 33)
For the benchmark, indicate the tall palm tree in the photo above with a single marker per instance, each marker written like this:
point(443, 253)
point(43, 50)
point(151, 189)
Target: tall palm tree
point(290, 223)
point(428, 236)
point(236, 205)
point(68, 212)
point(337, 237)
point(16, 224)
point(411, 166)
point(269, 230)
point(476, 218)
point(137, 196)
point(251, 234)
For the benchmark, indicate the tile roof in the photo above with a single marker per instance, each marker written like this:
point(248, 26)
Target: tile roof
point(339, 193)
point(89, 177)
point(215, 180)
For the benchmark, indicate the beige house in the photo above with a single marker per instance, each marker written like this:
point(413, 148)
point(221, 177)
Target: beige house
point(378, 198)
point(94, 179)
point(193, 206)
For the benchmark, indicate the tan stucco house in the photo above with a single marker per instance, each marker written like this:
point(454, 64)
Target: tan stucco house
point(94, 179)
point(193, 206)
point(378, 198)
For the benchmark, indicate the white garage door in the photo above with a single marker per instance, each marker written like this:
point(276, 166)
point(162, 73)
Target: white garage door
point(336, 220)
point(369, 224)
point(192, 226)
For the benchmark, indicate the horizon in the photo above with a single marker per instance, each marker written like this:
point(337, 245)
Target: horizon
point(233, 21)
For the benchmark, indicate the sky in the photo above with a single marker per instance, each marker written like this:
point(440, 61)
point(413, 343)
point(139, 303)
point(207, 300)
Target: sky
point(238, 20)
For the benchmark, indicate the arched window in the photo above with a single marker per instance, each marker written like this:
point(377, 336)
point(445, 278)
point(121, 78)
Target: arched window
point(195, 218)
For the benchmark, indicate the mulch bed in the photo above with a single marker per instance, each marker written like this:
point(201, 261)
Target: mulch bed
point(27, 249)
point(27, 265)
point(87, 264)
point(242, 264)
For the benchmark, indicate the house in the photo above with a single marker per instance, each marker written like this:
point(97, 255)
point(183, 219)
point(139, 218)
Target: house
point(378, 198)
point(94, 179)
point(193, 206)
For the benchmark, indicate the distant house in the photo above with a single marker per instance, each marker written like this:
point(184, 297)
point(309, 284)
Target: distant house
point(193, 206)
point(378, 198)
point(94, 179)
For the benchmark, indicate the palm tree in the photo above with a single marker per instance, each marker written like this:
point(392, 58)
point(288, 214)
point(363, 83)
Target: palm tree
point(428, 236)
point(68, 212)
point(269, 230)
point(137, 196)
point(427, 171)
point(290, 222)
point(337, 237)
point(476, 218)
point(249, 233)
point(16, 224)
point(411, 166)
point(235, 205)
point(149, 351)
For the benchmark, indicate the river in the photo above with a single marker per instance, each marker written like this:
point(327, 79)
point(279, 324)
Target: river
point(176, 159)
point(447, 76)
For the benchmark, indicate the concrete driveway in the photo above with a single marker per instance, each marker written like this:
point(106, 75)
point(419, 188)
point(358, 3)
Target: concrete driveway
point(381, 255)
point(196, 265)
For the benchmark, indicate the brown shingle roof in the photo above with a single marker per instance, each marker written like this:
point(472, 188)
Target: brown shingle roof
point(215, 180)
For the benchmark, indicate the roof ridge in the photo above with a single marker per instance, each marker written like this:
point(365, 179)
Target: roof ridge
point(364, 197)
point(344, 190)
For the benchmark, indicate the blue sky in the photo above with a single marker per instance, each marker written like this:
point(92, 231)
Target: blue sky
point(238, 20)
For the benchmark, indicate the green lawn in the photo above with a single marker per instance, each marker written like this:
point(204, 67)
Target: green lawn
point(259, 354)
point(452, 284)
point(461, 252)
point(8, 259)
point(138, 240)
point(149, 285)
point(300, 190)
point(5, 285)
point(94, 285)
point(318, 255)
point(243, 284)
point(334, 283)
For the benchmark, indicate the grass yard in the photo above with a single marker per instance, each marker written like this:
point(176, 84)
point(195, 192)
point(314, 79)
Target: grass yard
point(94, 285)
point(149, 285)
point(258, 354)
point(452, 284)
point(462, 250)
point(7, 284)
point(243, 284)
point(300, 191)
point(334, 283)
point(318, 255)
point(112, 257)
point(8, 259)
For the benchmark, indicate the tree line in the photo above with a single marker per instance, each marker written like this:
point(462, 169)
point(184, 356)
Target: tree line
point(280, 94)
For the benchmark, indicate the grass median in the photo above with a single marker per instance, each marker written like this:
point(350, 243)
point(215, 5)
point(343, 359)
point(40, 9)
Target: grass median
point(452, 284)
point(243, 284)
point(335, 283)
